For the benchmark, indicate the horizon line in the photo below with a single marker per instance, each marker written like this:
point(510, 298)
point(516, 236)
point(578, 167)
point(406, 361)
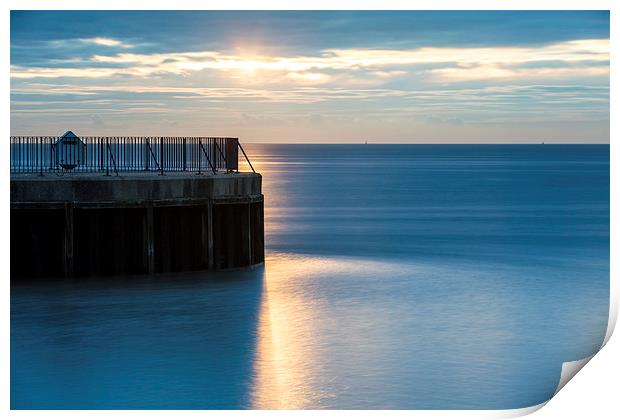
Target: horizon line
point(364, 142)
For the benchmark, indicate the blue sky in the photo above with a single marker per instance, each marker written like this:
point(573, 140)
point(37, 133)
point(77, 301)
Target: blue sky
point(401, 76)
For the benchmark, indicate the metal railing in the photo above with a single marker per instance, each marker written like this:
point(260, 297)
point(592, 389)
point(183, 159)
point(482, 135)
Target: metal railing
point(112, 155)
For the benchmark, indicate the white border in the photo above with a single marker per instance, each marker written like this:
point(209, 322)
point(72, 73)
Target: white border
point(311, 5)
point(599, 382)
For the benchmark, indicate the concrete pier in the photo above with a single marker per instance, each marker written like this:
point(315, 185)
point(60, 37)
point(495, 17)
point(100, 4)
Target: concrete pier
point(91, 224)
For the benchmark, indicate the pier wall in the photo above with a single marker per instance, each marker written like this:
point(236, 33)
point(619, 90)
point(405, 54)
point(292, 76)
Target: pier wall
point(90, 225)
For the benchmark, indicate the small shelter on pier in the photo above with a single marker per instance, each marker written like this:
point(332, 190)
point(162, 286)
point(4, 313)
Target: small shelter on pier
point(69, 151)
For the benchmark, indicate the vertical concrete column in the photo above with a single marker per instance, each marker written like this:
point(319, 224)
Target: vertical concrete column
point(249, 262)
point(149, 236)
point(204, 236)
point(68, 239)
point(209, 237)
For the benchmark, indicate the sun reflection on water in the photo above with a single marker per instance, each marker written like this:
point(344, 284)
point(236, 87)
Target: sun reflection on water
point(286, 354)
point(292, 370)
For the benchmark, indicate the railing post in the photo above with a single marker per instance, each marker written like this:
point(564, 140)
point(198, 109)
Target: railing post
point(107, 156)
point(51, 157)
point(199, 155)
point(184, 155)
point(161, 155)
point(41, 156)
point(246, 156)
point(147, 156)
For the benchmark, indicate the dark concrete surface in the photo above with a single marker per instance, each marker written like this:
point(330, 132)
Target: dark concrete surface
point(86, 225)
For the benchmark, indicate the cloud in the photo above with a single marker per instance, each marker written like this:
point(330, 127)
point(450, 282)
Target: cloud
point(107, 42)
point(490, 71)
point(389, 74)
point(53, 73)
point(435, 120)
point(97, 121)
point(309, 77)
point(444, 63)
point(431, 105)
point(72, 43)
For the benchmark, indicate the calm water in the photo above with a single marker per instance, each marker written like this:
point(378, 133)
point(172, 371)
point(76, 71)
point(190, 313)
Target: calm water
point(396, 277)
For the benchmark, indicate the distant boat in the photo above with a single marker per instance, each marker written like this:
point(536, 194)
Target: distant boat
point(543, 142)
point(366, 142)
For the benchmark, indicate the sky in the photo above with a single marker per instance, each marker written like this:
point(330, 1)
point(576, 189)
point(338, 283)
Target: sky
point(322, 76)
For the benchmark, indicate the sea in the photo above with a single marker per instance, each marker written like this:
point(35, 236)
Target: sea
point(396, 277)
